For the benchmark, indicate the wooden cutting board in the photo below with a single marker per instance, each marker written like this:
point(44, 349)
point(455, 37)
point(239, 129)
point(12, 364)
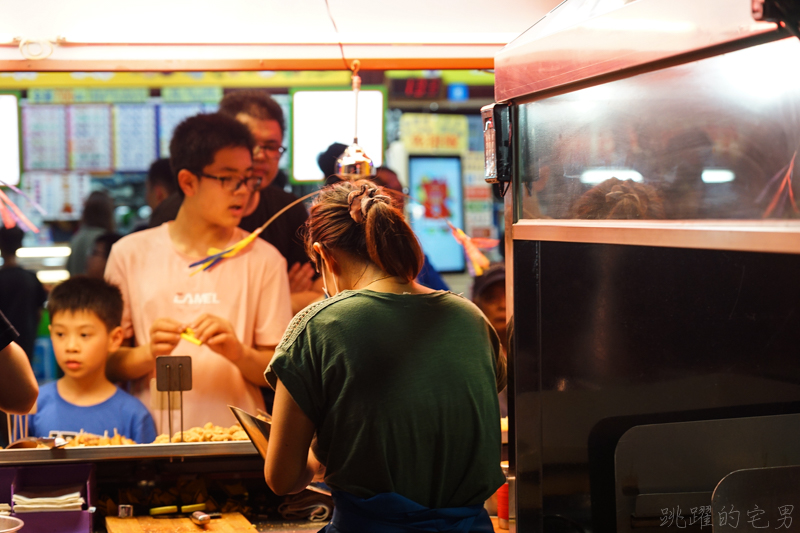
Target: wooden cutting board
point(229, 523)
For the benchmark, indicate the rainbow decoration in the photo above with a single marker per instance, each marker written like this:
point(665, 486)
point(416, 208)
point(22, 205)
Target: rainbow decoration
point(217, 256)
point(11, 215)
point(477, 261)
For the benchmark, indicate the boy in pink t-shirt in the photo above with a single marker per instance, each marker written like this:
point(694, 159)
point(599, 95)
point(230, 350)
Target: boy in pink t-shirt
point(238, 310)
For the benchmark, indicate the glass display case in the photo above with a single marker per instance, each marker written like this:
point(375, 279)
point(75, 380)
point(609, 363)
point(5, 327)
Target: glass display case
point(710, 139)
point(653, 243)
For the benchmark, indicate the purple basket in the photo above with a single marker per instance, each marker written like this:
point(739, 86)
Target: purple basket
point(28, 477)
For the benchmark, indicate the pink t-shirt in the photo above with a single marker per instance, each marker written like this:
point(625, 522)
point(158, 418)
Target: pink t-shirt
point(251, 291)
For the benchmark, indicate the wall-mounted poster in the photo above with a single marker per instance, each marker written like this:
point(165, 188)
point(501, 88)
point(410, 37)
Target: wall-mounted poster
point(44, 137)
point(89, 137)
point(135, 143)
point(437, 197)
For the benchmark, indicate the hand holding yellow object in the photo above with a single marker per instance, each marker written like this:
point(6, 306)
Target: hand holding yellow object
point(188, 334)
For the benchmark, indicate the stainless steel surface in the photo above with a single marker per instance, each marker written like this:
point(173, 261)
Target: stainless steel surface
point(257, 430)
point(677, 466)
point(289, 527)
point(712, 140)
point(124, 511)
point(135, 451)
point(750, 236)
point(8, 524)
point(552, 55)
point(354, 163)
point(755, 500)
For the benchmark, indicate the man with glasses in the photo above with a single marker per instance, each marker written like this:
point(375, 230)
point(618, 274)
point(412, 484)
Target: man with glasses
point(264, 118)
point(237, 311)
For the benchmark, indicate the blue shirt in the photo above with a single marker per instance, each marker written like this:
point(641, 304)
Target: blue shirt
point(429, 277)
point(122, 411)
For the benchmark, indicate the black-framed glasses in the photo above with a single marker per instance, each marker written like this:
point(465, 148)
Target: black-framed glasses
point(273, 149)
point(232, 184)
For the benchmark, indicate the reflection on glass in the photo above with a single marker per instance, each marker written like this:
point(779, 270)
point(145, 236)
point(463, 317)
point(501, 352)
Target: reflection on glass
point(713, 139)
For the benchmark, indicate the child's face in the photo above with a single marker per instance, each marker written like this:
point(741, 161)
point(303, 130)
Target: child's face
point(217, 203)
point(493, 304)
point(82, 343)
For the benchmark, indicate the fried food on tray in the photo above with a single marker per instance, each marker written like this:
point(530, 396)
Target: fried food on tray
point(207, 433)
point(88, 439)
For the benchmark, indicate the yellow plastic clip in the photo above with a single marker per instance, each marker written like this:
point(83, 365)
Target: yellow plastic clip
point(189, 336)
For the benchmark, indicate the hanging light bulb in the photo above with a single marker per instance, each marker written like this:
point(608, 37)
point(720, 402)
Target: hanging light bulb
point(354, 164)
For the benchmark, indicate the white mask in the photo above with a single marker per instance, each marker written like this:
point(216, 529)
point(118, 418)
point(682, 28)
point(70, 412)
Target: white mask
point(325, 283)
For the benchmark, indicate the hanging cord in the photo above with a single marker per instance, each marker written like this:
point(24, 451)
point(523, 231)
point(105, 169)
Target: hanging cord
point(341, 47)
point(356, 88)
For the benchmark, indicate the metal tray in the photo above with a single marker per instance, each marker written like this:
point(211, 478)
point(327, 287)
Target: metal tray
point(133, 451)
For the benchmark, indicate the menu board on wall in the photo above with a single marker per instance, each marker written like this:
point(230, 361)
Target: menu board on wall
point(44, 137)
point(61, 195)
point(135, 145)
point(169, 116)
point(89, 137)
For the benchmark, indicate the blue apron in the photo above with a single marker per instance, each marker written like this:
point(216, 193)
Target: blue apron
point(392, 513)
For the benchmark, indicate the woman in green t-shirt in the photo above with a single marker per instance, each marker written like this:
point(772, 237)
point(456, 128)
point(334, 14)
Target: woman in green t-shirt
point(395, 383)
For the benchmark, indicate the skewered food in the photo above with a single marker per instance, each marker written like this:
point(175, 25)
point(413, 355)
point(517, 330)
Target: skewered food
point(207, 433)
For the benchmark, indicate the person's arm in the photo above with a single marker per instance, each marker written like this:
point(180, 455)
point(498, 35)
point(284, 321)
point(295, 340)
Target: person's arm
point(220, 336)
point(253, 362)
point(133, 362)
point(290, 464)
point(129, 362)
point(18, 387)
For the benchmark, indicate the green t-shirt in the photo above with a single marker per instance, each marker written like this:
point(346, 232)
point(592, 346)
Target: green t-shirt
point(401, 389)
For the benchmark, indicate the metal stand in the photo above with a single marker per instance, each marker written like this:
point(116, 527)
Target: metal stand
point(167, 382)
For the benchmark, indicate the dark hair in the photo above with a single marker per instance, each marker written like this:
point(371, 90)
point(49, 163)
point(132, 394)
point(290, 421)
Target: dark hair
point(384, 238)
point(107, 240)
point(10, 239)
point(81, 293)
point(617, 199)
point(98, 211)
point(160, 173)
point(257, 104)
point(326, 161)
point(197, 140)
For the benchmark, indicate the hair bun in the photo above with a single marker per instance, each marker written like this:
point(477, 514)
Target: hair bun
point(361, 201)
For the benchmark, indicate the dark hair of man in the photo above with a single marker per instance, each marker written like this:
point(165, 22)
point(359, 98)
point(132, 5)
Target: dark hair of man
point(81, 293)
point(160, 173)
point(257, 104)
point(98, 211)
point(197, 140)
point(10, 240)
point(384, 238)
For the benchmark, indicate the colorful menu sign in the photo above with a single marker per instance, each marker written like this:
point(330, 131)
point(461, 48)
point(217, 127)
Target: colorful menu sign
point(89, 137)
point(44, 137)
point(135, 142)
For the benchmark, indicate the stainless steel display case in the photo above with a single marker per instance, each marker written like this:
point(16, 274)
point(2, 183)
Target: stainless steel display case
point(91, 454)
point(687, 310)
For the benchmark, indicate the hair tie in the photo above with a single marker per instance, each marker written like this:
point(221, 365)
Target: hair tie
point(361, 201)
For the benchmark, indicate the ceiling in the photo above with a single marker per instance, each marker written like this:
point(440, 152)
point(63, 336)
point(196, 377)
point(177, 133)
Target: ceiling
point(258, 34)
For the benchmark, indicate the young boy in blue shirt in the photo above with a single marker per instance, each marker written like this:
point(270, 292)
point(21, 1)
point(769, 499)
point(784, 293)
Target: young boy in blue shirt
point(85, 317)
